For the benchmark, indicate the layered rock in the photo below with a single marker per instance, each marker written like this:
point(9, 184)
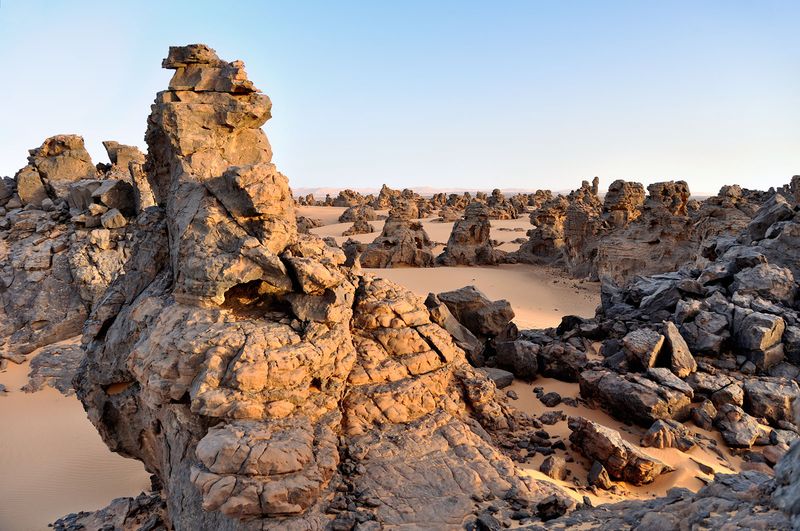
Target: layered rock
point(59, 161)
point(265, 384)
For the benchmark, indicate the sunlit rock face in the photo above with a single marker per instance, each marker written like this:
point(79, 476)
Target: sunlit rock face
point(267, 385)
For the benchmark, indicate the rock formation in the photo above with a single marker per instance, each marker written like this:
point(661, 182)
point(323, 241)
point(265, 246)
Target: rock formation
point(359, 227)
point(716, 344)
point(63, 239)
point(469, 242)
point(265, 384)
point(403, 242)
point(630, 234)
point(749, 500)
point(358, 213)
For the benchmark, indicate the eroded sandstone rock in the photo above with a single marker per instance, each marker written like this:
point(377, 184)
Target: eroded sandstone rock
point(266, 384)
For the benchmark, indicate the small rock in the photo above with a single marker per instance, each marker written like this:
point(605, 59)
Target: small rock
point(554, 467)
point(598, 476)
point(113, 219)
point(551, 399)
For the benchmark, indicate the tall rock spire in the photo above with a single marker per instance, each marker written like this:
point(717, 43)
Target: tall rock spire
point(267, 385)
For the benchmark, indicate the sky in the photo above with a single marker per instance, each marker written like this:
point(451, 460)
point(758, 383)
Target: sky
point(445, 94)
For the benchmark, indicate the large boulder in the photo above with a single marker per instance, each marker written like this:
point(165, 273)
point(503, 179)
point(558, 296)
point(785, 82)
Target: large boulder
point(776, 209)
point(681, 360)
point(60, 160)
point(403, 242)
point(642, 347)
point(738, 429)
point(482, 316)
point(620, 458)
point(29, 187)
point(771, 399)
point(358, 213)
point(636, 398)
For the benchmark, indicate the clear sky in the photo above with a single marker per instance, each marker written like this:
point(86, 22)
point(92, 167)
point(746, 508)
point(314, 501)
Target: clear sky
point(462, 94)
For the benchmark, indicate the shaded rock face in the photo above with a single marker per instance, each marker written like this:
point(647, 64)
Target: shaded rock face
point(403, 242)
point(63, 238)
point(359, 227)
point(623, 201)
point(358, 213)
point(469, 242)
point(265, 384)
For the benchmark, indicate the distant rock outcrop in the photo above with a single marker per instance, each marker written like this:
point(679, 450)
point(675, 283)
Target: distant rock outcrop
point(631, 234)
point(403, 242)
point(63, 239)
point(469, 242)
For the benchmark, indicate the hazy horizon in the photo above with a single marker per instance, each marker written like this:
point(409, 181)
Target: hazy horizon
point(456, 95)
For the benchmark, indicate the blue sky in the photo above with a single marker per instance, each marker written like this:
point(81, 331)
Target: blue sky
point(462, 94)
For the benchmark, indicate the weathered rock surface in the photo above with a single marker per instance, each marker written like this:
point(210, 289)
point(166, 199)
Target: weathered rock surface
point(636, 398)
point(359, 227)
point(267, 385)
point(482, 316)
point(733, 501)
point(630, 234)
point(668, 434)
point(55, 261)
point(145, 512)
point(358, 213)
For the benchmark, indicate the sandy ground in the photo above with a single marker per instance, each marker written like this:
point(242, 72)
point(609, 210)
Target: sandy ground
point(52, 460)
point(539, 296)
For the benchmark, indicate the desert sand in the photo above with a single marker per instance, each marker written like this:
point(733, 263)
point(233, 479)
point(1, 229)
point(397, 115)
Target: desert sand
point(53, 460)
point(688, 470)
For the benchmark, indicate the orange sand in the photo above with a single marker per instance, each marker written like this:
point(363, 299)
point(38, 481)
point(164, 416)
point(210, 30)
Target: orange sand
point(539, 296)
point(52, 460)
